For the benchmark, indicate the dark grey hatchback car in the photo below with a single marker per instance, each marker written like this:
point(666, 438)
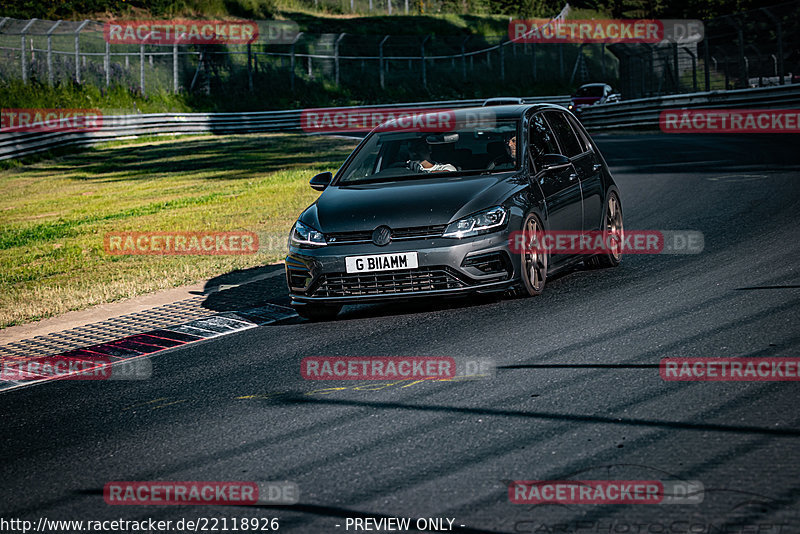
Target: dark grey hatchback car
point(429, 213)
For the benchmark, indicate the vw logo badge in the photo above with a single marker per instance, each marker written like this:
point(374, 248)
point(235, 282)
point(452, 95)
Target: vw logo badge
point(382, 235)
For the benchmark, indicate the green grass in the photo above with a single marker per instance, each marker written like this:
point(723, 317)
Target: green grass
point(54, 214)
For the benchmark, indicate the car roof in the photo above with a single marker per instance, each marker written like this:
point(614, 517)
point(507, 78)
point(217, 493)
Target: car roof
point(509, 111)
point(594, 85)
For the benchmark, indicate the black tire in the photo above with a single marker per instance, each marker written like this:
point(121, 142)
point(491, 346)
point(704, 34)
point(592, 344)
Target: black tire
point(533, 265)
point(612, 222)
point(318, 312)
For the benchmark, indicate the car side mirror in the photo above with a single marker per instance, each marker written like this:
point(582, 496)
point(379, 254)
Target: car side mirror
point(321, 181)
point(552, 161)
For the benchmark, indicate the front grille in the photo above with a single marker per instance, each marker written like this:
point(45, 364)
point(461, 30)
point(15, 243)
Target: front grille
point(387, 283)
point(398, 234)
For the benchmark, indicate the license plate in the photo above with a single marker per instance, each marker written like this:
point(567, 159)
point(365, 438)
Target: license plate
point(381, 262)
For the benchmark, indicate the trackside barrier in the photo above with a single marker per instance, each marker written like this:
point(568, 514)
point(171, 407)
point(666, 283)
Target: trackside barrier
point(115, 127)
point(644, 112)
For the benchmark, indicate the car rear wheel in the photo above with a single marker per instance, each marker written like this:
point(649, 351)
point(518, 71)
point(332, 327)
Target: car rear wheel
point(318, 312)
point(534, 261)
point(612, 225)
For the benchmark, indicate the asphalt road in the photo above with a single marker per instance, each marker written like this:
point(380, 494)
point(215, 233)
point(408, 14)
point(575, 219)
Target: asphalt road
point(577, 394)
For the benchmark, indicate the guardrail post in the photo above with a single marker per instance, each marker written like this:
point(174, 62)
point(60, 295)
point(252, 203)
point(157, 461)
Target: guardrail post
point(50, 51)
point(23, 58)
point(336, 56)
point(380, 59)
point(78, 51)
point(291, 60)
point(422, 51)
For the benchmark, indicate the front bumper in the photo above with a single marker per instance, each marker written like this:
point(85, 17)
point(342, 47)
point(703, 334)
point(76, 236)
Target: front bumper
point(447, 267)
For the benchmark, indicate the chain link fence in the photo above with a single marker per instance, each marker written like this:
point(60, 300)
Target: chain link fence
point(756, 48)
point(748, 49)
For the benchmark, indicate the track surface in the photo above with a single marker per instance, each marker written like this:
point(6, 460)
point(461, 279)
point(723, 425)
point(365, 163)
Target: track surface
point(571, 398)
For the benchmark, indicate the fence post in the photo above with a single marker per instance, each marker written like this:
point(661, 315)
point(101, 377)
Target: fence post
point(464, 59)
point(291, 60)
point(23, 57)
point(694, 67)
point(141, 67)
point(533, 47)
point(502, 62)
point(561, 61)
point(78, 51)
point(422, 51)
point(675, 67)
point(779, 34)
point(336, 56)
point(175, 65)
point(107, 61)
point(50, 52)
point(406, 7)
point(389, 4)
point(707, 63)
point(380, 58)
point(370, 6)
point(603, 60)
point(249, 68)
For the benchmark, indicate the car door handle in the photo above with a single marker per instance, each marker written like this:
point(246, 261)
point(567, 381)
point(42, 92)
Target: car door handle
point(596, 167)
point(572, 176)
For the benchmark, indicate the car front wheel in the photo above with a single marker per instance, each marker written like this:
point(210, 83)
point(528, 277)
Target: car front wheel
point(534, 261)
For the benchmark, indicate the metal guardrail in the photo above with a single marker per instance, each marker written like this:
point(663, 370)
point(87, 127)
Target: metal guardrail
point(115, 127)
point(644, 112)
point(640, 113)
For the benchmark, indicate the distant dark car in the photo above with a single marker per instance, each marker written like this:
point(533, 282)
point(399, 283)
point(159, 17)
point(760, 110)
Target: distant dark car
point(503, 101)
point(386, 228)
point(591, 94)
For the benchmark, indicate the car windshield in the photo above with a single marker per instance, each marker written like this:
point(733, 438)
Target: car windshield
point(393, 155)
point(590, 90)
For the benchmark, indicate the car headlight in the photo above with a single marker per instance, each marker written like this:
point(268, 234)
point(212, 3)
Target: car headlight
point(484, 222)
point(303, 235)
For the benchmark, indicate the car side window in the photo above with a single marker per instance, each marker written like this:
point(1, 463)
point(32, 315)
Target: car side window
point(541, 138)
point(586, 145)
point(570, 146)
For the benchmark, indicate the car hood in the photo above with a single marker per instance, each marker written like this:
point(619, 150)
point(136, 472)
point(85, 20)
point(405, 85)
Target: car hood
point(407, 203)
